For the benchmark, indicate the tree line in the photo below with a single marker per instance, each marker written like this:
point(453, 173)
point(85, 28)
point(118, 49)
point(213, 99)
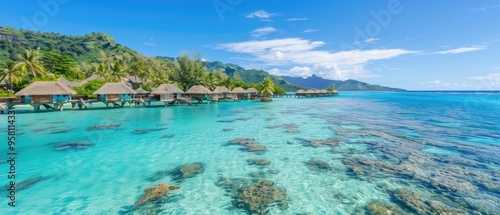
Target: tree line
point(185, 71)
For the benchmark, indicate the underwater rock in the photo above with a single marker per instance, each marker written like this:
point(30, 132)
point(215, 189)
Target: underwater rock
point(289, 127)
point(259, 161)
point(58, 131)
point(145, 131)
point(158, 175)
point(254, 148)
point(242, 141)
point(186, 171)
point(154, 192)
point(257, 197)
point(248, 144)
point(315, 143)
point(167, 136)
point(234, 120)
point(228, 129)
point(420, 205)
point(43, 129)
point(105, 126)
point(318, 165)
point(382, 208)
point(74, 145)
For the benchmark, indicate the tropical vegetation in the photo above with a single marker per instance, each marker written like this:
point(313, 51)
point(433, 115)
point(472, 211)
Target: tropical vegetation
point(27, 56)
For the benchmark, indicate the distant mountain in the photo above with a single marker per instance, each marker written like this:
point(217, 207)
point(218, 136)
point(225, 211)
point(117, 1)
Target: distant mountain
point(347, 85)
point(251, 75)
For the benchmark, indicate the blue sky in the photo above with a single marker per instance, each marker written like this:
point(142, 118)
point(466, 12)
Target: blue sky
point(448, 44)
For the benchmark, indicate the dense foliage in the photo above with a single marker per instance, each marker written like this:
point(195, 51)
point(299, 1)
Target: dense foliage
point(89, 88)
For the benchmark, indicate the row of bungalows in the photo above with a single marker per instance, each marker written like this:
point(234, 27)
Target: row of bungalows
point(167, 93)
point(315, 93)
point(53, 95)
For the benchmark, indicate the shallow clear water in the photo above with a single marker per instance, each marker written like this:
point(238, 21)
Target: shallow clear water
point(443, 146)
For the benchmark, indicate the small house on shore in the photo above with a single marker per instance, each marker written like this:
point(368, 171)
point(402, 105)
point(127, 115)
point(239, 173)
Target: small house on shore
point(167, 93)
point(114, 92)
point(45, 92)
point(199, 93)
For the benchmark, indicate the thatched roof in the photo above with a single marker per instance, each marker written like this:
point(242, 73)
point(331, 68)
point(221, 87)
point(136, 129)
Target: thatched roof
point(300, 91)
point(324, 91)
point(317, 91)
point(4, 82)
point(310, 91)
point(238, 90)
point(134, 79)
point(141, 91)
point(166, 89)
point(221, 89)
point(252, 90)
point(114, 88)
point(71, 83)
point(42, 88)
point(198, 89)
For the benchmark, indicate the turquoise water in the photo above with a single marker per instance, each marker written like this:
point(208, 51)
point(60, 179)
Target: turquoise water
point(445, 147)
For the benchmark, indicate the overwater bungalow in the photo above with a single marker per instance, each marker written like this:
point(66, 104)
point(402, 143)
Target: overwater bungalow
point(167, 93)
point(240, 93)
point(115, 92)
point(141, 93)
point(45, 94)
point(252, 91)
point(300, 93)
point(310, 93)
point(224, 94)
point(199, 93)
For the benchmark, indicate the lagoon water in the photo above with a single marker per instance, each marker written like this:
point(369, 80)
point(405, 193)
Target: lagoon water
point(409, 151)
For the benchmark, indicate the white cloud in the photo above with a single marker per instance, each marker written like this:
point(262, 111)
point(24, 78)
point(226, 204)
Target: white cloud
point(298, 19)
point(260, 14)
point(497, 68)
point(300, 53)
point(491, 78)
point(262, 31)
point(461, 50)
point(309, 30)
point(479, 9)
point(151, 42)
point(371, 40)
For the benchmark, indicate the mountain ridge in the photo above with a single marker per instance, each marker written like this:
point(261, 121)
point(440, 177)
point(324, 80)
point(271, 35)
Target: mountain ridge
point(346, 85)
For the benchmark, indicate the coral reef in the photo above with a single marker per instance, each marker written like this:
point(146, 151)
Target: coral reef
point(259, 161)
point(145, 131)
point(249, 145)
point(420, 205)
point(186, 171)
point(382, 208)
point(318, 165)
point(254, 196)
point(101, 127)
point(154, 192)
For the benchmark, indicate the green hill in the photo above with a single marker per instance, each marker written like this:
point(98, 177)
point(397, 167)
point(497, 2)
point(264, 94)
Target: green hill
point(84, 48)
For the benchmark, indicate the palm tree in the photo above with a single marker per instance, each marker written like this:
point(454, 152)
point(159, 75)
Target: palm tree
point(30, 64)
point(188, 72)
point(10, 73)
point(118, 73)
point(266, 89)
point(101, 71)
point(210, 81)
